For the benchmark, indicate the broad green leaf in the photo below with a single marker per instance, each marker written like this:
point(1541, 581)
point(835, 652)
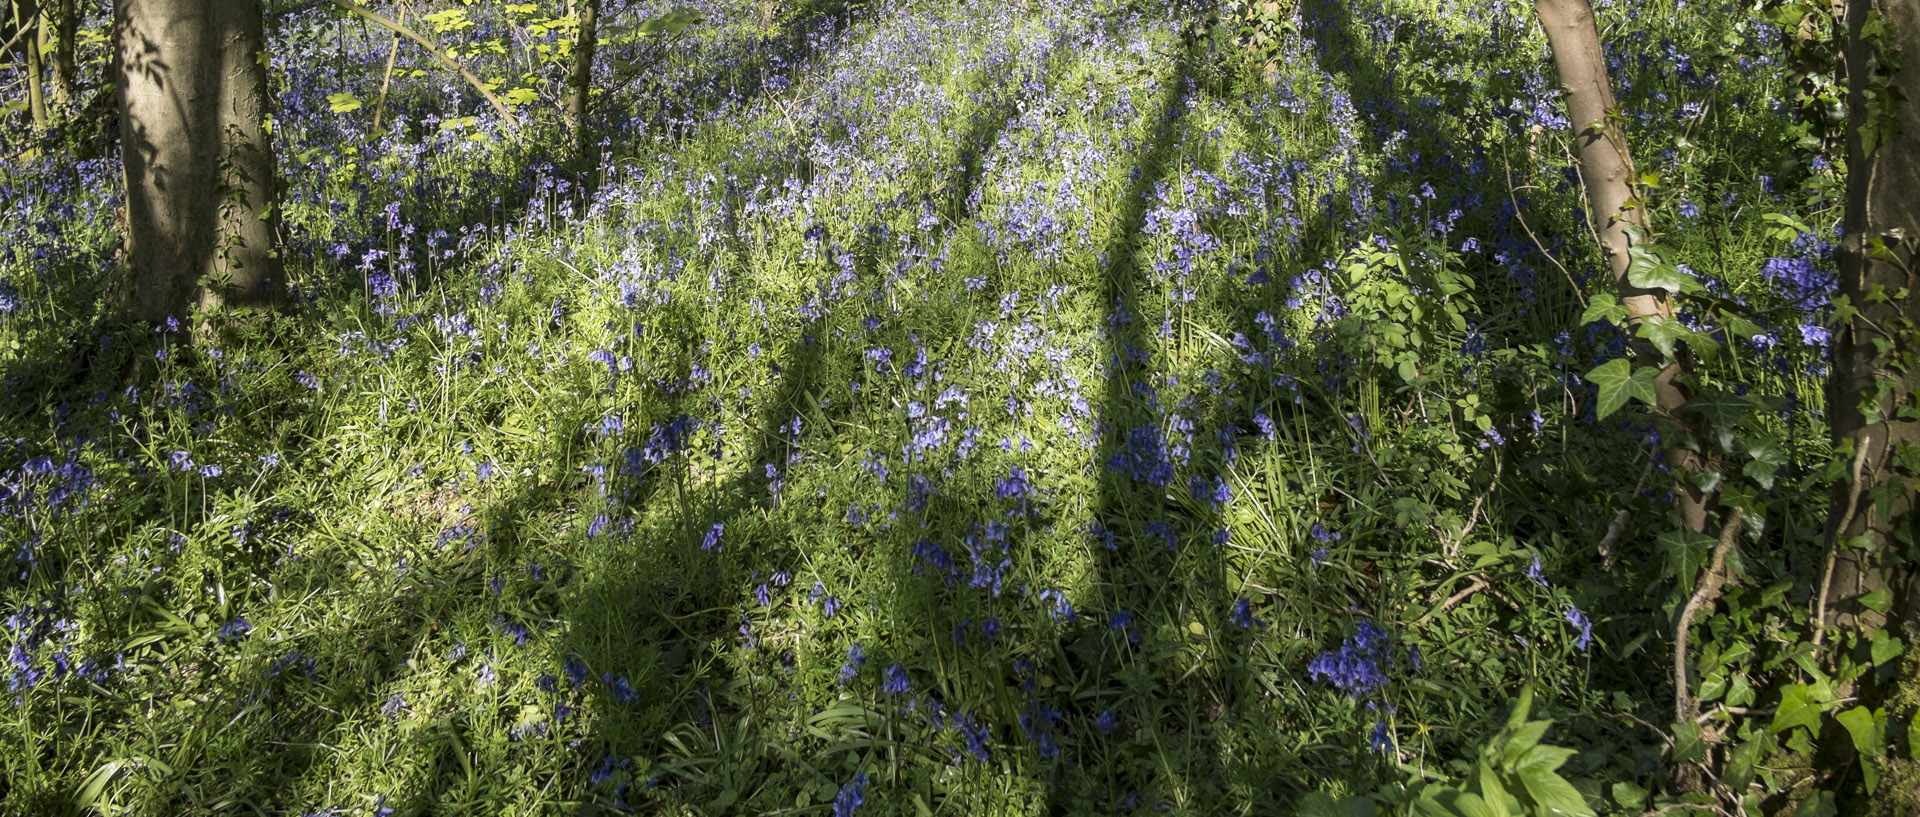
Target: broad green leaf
point(1647, 270)
point(1878, 601)
point(1664, 334)
point(1553, 794)
point(1868, 730)
point(343, 102)
point(1687, 745)
point(1549, 758)
point(1604, 307)
point(1795, 710)
point(1885, 647)
point(1629, 795)
point(1618, 382)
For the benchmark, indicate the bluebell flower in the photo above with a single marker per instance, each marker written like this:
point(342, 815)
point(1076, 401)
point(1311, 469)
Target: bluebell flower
point(1243, 615)
point(896, 682)
point(233, 632)
point(1106, 723)
point(856, 658)
point(1536, 573)
point(852, 796)
point(1359, 666)
point(1580, 620)
point(711, 543)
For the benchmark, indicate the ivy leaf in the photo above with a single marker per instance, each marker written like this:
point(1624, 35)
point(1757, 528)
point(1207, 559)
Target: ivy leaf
point(1619, 382)
point(1878, 601)
point(1647, 270)
point(1604, 307)
point(1796, 709)
point(1664, 332)
point(1687, 745)
point(1868, 730)
point(1885, 647)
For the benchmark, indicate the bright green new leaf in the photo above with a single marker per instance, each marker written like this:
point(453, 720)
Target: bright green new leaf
point(343, 102)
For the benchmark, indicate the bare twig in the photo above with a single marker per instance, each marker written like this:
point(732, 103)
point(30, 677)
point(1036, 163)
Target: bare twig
point(1522, 218)
point(1833, 546)
point(1478, 585)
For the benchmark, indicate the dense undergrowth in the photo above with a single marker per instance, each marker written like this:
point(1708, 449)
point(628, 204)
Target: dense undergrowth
point(975, 408)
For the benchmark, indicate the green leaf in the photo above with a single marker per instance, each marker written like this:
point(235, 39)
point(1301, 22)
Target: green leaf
point(1878, 601)
point(1604, 307)
point(343, 102)
point(1795, 710)
point(670, 24)
point(1885, 647)
point(1868, 730)
point(1554, 794)
point(1619, 382)
point(1664, 333)
point(1547, 758)
point(1645, 269)
point(1523, 739)
point(1629, 795)
point(1687, 745)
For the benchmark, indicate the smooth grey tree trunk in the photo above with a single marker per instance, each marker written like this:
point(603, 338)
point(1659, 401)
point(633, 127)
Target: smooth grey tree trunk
point(201, 199)
point(1607, 169)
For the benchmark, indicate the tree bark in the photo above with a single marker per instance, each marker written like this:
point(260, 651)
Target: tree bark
point(66, 25)
point(1607, 170)
point(581, 82)
point(1876, 353)
point(26, 21)
point(202, 206)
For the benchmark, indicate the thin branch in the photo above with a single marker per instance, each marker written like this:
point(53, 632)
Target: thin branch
point(1710, 584)
point(1833, 547)
point(1478, 585)
point(1522, 218)
point(446, 60)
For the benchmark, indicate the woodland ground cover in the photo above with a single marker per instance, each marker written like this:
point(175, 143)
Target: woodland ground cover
point(966, 408)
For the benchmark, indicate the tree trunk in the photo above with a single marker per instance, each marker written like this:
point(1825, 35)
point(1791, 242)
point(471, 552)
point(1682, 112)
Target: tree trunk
point(66, 25)
point(201, 204)
point(1872, 385)
point(581, 82)
point(1608, 173)
point(26, 22)
point(1870, 581)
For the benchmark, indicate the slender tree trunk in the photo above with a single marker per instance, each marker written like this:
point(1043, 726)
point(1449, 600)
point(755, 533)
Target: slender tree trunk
point(1607, 169)
point(201, 203)
point(1876, 361)
point(26, 21)
point(1870, 581)
point(66, 26)
point(582, 81)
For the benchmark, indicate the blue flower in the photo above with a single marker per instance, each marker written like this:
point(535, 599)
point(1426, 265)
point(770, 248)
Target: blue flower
point(233, 632)
point(1359, 666)
point(896, 682)
point(711, 543)
point(1580, 620)
point(853, 795)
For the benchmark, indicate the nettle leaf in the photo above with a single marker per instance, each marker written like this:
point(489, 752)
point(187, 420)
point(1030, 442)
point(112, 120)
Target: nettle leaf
point(343, 102)
point(1619, 382)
